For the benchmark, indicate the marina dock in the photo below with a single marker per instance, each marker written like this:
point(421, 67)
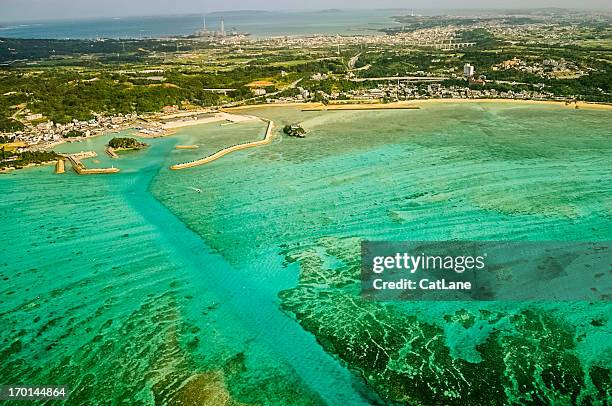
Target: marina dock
point(81, 169)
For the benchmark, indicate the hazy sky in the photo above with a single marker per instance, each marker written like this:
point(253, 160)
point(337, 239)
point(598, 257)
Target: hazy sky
point(24, 10)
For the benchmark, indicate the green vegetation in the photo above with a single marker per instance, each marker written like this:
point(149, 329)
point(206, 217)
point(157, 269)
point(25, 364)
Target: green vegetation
point(80, 85)
point(108, 50)
point(588, 76)
point(8, 106)
point(6, 140)
point(125, 143)
point(25, 158)
point(294, 130)
point(480, 36)
point(73, 134)
point(78, 79)
point(9, 125)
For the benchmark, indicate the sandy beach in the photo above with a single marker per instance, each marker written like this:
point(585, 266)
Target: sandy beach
point(424, 103)
point(293, 104)
point(234, 118)
point(581, 105)
point(233, 115)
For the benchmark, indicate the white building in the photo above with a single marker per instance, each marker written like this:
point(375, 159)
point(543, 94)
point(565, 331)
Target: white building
point(32, 117)
point(468, 70)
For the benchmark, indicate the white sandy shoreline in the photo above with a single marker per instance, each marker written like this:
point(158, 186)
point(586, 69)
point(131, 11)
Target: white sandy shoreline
point(232, 114)
point(580, 104)
point(424, 103)
point(234, 118)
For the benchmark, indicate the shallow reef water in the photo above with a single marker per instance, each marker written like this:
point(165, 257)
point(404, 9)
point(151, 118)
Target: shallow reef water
point(237, 282)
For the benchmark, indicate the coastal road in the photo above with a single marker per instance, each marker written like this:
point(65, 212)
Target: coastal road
point(353, 61)
point(292, 85)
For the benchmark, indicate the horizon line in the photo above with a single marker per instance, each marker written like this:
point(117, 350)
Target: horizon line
point(205, 13)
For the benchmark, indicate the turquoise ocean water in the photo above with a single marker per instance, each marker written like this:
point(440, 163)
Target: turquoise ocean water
point(137, 287)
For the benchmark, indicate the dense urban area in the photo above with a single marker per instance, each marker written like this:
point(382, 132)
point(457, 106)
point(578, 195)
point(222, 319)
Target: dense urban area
point(56, 89)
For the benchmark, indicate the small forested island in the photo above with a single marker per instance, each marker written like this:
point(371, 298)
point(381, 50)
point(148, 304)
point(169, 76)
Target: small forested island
point(123, 143)
point(19, 160)
point(294, 130)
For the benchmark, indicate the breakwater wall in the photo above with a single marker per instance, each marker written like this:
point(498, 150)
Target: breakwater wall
point(213, 157)
point(81, 169)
